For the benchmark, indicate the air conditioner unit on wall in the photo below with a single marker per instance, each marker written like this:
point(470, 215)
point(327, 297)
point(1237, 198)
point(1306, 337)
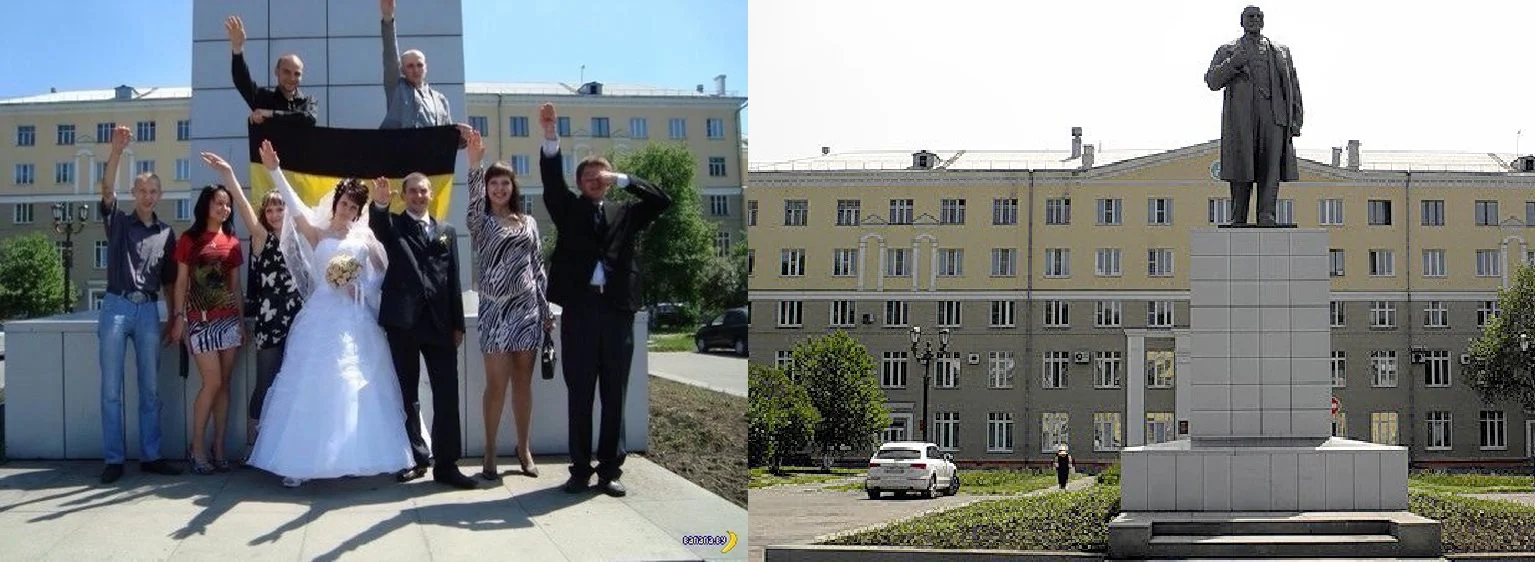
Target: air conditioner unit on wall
point(1418, 357)
point(974, 359)
point(1083, 357)
point(868, 319)
point(1465, 359)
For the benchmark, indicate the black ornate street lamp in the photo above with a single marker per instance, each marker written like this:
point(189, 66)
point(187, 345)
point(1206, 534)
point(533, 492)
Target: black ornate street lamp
point(69, 221)
point(925, 358)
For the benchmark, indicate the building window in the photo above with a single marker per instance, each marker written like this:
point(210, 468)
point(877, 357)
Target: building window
point(1285, 212)
point(677, 128)
point(1433, 263)
point(144, 167)
point(1489, 263)
point(1004, 212)
point(1004, 262)
point(66, 135)
point(1056, 366)
point(1106, 431)
point(795, 212)
point(1486, 213)
point(1107, 263)
point(22, 213)
point(1485, 311)
point(951, 262)
point(527, 204)
point(1057, 262)
point(522, 164)
point(715, 127)
point(1058, 211)
point(1433, 213)
point(1108, 367)
point(717, 167)
point(946, 430)
point(946, 373)
point(843, 314)
point(848, 211)
point(1383, 429)
point(101, 254)
point(64, 173)
point(1379, 211)
point(104, 132)
point(951, 211)
point(1110, 211)
point(999, 432)
point(949, 314)
point(1159, 211)
point(517, 126)
point(480, 124)
point(183, 169)
point(562, 126)
point(791, 314)
point(1436, 368)
point(638, 128)
point(1108, 314)
point(1330, 212)
point(183, 130)
point(1436, 315)
point(751, 260)
point(1382, 263)
point(1159, 427)
point(1220, 210)
point(898, 262)
point(792, 263)
point(892, 373)
point(97, 296)
point(783, 360)
point(1159, 314)
point(1383, 368)
point(719, 205)
point(145, 132)
point(898, 428)
point(1335, 263)
point(895, 314)
point(1337, 319)
point(1340, 424)
point(1057, 314)
point(1339, 369)
point(751, 213)
point(1438, 431)
point(844, 262)
point(1529, 214)
point(1159, 262)
point(1054, 430)
point(999, 368)
point(601, 127)
point(183, 209)
point(26, 135)
point(25, 174)
point(901, 211)
point(721, 243)
point(1160, 369)
point(1494, 426)
point(1382, 314)
point(1002, 314)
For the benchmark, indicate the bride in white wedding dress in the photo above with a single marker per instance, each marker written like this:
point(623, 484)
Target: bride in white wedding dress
point(334, 408)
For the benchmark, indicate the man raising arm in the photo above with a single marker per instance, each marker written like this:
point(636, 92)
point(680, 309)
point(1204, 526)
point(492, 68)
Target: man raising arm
point(284, 103)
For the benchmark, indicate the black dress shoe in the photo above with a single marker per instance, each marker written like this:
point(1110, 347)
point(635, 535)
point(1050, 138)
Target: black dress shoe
point(577, 485)
point(612, 488)
point(455, 479)
point(111, 473)
point(159, 466)
point(410, 474)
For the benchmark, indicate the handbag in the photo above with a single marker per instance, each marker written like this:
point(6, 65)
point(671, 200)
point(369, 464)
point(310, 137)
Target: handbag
point(548, 357)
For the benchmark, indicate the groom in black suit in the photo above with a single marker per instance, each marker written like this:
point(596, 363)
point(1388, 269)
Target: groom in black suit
point(423, 313)
point(593, 278)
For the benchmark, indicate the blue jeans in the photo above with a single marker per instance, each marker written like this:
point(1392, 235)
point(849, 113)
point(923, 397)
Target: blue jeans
point(120, 321)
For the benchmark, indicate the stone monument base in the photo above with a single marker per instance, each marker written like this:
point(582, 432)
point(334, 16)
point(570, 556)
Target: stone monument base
point(1340, 534)
point(1252, 474)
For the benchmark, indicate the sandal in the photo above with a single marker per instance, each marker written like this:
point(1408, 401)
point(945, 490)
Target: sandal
point(221, 465)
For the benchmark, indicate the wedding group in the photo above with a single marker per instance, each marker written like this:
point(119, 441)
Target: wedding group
point(350, 299)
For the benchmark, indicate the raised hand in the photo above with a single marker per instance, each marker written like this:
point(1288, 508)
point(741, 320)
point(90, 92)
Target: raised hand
point(217, 163)
point(381, 193)
point(386, 9)
point(608, 178)
point(121, 136)
point(258, 116)
point(476, 148)
point(547, 117)
point(236, 30)
point(269, 156)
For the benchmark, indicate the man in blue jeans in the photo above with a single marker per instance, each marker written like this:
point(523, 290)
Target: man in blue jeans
point(139, 265)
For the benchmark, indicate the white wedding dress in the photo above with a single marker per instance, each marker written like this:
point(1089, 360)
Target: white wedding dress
point(334, 408)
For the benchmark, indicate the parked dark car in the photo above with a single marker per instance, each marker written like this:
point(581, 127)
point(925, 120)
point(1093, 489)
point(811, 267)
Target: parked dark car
point(668, 314)
point(725, 330)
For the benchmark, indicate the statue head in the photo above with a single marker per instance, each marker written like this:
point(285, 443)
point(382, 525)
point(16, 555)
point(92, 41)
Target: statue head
point(1252, 19)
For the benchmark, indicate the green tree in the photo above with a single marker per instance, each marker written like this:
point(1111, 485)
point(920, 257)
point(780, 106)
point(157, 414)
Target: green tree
point(780, 419)
point(31, 278)
point(676, 250)
point(1503, 372)
point(838, 373)
point(724, 282)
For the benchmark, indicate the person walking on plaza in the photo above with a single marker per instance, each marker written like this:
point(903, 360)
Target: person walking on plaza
point(1063, 466)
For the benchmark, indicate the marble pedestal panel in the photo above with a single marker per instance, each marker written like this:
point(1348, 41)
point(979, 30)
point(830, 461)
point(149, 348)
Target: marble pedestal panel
point(1264, 475)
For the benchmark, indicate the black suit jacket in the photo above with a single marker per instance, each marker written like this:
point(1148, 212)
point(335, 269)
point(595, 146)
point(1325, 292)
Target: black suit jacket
point(578, 248)
point(421, 291)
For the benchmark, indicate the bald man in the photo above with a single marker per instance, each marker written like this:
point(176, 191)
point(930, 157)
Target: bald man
point(411, 103)
point(284, 103)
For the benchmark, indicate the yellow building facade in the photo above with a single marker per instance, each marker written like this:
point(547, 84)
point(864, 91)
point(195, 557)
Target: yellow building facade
point(1063, 278)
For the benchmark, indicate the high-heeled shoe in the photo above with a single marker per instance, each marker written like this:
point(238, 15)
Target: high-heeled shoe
point(528, 467)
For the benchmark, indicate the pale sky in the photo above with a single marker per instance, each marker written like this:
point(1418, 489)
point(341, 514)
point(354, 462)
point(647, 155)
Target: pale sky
point(908, 75)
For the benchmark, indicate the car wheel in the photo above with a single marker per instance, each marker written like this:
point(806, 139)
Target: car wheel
point(954, 484)
point(699, 343)
point(741, 347)
point(873, 494)
point(932, 485)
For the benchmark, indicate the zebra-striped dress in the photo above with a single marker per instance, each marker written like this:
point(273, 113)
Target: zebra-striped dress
point(511, 275)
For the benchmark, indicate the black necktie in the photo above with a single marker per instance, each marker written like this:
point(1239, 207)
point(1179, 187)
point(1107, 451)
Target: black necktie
point(600, 218)
point(426, 229)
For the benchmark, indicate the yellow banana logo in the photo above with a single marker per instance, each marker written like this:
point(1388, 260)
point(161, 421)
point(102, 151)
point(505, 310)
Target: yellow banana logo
point(730, 544)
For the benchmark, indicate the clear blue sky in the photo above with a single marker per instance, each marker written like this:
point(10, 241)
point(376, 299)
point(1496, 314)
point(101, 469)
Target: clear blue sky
point(98, 44)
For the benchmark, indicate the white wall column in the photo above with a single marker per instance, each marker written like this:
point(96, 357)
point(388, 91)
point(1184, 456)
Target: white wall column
point(1183, 383)
point(1135, 388)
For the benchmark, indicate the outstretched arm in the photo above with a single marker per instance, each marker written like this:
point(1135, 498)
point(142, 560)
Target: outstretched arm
point(540, 277)
point(391, 48)
point(652, 200)
point(557, 195)
point(300, 212)
point(379, 218)
point(475, 212)
point(120, 139)
point(242, 204)
point(238, 70)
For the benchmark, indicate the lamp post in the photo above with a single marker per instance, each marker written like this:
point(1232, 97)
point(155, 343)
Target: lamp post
point(925, 358)
point(1524, 347)
point(69, 221)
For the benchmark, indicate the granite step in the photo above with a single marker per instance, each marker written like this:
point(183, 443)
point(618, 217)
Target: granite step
point(1269, 545)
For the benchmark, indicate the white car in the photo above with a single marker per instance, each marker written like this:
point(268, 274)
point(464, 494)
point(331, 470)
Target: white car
point(911, 466)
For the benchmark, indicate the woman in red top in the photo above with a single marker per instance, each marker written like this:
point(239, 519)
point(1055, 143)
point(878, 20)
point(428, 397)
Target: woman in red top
point(208, 316)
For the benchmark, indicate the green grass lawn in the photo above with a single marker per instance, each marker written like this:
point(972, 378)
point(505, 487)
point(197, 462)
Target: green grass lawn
point(671, 341)
point(1470, 483)
point(988, 482)
point(700, 434)
point(797, 475)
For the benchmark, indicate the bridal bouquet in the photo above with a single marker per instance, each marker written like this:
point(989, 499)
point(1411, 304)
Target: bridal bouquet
point(342, 270)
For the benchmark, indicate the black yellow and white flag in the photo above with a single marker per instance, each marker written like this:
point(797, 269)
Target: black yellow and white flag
point(315, 158)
